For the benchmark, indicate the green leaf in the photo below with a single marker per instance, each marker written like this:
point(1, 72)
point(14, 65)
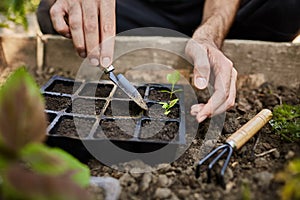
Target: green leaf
point(22, 117)
point(167, 112)
point(166, 91)
point(173, 77)
point(55, 161)
point(179, 90)
point(173, 102)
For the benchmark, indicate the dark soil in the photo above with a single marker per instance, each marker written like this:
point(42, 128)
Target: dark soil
point(156, 94)
point(66, 126)
point(50, 117)
point(251, 171)
point(57, 103)
point(120, 94)
point(66, 87)
point(116, 129)
point(166, 131)
point(96, 90)
point(86, 106)
point(123, 108)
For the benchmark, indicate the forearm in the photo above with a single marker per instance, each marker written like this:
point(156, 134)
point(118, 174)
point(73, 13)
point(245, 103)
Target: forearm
point(218, 16)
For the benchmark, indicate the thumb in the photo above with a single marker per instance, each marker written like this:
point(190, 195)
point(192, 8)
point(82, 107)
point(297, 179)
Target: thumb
point(201, 72)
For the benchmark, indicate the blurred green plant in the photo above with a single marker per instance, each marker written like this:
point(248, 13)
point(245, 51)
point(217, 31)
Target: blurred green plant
point(28, 168)
point(291, 178)
point(16, 11)
point(286, 122)
point(172, 78)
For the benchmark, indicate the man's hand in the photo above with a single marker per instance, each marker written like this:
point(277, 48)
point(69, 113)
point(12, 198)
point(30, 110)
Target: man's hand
point(88, 23)
point(207, 59)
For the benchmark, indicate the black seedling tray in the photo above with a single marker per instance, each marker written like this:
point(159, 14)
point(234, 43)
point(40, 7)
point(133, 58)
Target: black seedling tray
point(126, 125)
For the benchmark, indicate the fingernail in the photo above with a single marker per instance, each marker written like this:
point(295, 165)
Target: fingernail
point(68, 35)
point(200, 82)
point(106, 62)
point(82, 54)
point(94, 61)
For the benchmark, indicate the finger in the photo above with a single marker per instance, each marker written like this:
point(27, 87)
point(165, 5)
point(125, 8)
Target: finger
point(195, 109)
point(75, 24)
point(232, 95)
point(222, 87)
point(108, 31)
point(91, 30)
point(57, 14)
point(199, 56)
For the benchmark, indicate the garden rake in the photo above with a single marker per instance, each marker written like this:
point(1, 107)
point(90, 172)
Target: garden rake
point(234, 142)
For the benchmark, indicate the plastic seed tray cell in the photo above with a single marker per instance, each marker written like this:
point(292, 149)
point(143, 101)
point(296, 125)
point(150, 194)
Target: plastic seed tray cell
point(105, 112)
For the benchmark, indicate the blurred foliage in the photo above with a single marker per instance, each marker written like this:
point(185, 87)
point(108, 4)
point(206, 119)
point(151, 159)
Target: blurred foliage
point(286, 122)
point(291, 178)
point(28, 168)
point(16, 11)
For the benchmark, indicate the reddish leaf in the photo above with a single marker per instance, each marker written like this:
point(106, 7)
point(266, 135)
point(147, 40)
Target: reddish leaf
point(22, 117)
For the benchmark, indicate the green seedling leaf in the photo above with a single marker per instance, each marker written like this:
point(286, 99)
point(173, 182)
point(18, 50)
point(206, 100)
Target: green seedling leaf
point(179, 90)
point(22, 117)
point(55, 161)
point(173, 77)
point(167, 112)
point(173, 102)
point(20, 183)
point(164, 105)
point(166, 91)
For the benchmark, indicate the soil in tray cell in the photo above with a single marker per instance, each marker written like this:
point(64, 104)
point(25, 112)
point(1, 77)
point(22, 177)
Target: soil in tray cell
point(86, 106)
point(73, 126)
point(156, 111)
point(120, 94)
point(157, 94)
point(50, 117)
point(116, 129)
point(96, 90)
point(57, 103)
point(158, 130)
point(123, 108)
point(66, 87)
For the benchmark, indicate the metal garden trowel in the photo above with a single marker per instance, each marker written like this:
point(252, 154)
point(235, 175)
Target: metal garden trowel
point(126, 86)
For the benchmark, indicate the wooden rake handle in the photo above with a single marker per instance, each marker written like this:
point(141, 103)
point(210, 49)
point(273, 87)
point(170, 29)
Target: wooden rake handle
point(247, 131)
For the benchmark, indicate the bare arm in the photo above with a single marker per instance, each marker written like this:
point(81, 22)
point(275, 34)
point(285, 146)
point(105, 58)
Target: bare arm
point(218, 16)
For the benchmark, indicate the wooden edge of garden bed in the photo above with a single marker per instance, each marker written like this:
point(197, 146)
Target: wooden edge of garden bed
point(275, 62)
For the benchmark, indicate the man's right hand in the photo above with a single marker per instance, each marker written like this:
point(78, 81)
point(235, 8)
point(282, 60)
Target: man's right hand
point(89, 23)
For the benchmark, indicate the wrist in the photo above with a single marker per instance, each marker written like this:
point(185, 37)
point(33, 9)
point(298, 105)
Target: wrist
point(205, 35)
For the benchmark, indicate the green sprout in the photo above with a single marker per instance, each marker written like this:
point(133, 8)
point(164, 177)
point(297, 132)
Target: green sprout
point(286, 122)
point(172, 78)
point(290, 176)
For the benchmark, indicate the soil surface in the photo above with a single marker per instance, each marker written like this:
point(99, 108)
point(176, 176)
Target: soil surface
point(86, 106)
point(165, 131)
point(157, 112)
point(123, 108)
point(63, 87)
point(96, 90)
point(251, 170)
point(67, 127)
point(57, 103)
point(116, 129)
point(250, 173)
point(156, 93)
point(120, 94)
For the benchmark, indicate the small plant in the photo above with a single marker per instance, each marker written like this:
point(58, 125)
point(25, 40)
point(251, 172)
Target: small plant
point(28, 168)
point(17, 10)
point(291, 178)
point(286, 122)
point(172, 78)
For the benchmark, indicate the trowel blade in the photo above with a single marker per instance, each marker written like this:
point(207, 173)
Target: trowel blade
point(128, 88)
